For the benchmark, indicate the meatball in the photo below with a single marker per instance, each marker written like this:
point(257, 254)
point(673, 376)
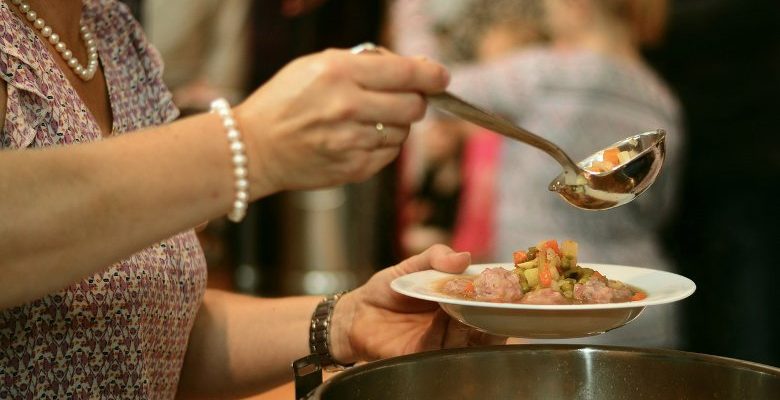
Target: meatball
point(498, 285)
point(594, 291)
point(544, 296)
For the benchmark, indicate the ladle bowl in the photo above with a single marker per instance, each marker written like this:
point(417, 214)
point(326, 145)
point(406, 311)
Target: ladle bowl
point(620, 185)
point(581, 187)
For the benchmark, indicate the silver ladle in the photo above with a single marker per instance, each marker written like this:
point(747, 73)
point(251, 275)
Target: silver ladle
point(579, 186)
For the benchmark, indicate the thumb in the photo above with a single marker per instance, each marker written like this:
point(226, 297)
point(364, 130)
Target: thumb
point(438, 257)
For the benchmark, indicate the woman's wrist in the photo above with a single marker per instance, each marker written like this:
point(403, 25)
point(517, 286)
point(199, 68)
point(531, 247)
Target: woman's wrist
point(341, 344)
point(260, 183)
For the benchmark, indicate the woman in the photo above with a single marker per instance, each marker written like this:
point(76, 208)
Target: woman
point(586, 89)
point(102, 280)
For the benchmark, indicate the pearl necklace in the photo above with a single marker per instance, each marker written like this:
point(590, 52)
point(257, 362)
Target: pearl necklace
point(84, 72)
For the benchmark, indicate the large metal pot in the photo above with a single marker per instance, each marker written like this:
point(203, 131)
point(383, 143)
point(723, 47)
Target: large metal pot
point(553, 372)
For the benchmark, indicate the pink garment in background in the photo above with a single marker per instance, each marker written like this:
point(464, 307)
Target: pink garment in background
point(474, 228)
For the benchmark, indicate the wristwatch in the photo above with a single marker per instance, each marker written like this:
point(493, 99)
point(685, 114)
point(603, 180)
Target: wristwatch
point(319, 333)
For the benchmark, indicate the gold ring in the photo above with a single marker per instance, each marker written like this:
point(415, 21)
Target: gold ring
point(380, 129)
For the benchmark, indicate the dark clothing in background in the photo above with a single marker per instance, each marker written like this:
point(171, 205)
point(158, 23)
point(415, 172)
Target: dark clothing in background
point(723, 59)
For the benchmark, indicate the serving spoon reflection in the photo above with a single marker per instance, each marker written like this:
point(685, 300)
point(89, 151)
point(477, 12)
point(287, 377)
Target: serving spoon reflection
point(580, 187)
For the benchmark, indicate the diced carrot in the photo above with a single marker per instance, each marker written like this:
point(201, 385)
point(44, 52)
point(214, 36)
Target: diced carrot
point(545, 269)
point(520, 256)
point(469, 289)
point(545, 276)
point(640, 295)
point(550, 244)
point(611, 155)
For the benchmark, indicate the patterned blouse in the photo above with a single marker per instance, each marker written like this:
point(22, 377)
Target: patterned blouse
point(121, 333)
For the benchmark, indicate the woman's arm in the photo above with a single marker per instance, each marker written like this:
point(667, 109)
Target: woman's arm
point(69, 211)
point(242, 345)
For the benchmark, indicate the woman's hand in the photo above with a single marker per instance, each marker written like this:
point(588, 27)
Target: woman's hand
point(315, 123)
point(375, 322)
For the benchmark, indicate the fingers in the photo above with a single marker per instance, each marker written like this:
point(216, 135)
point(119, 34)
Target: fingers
point(438, 257)
point(391, 72)
point(385, 107)
point(377, 135)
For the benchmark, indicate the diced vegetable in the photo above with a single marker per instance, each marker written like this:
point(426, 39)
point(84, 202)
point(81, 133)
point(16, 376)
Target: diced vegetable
point(624, 157)
point(528, 264)
point(548, 267)
point(566, 287)
point(523, 282)
point(640, 295)
point(532, 276)
point(469, 289)
point(600, 166)
point(549, 244)
point(568, 254)
point(610, 155)
point(520, 256)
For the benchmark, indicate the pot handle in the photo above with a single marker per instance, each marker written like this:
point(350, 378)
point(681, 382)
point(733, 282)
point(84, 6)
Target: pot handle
point(308, 375)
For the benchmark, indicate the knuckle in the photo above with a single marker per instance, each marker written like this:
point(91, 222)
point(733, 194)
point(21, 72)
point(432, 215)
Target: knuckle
point(344, 109)
point(405, 72)
point(334, 144)
point(329, 67)
point(439, 248)
point(417, 108)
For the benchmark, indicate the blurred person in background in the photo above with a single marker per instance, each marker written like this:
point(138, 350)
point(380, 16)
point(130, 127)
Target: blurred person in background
point(205, 51)
point(102, 280)
point(586, 89)
point(452, 201)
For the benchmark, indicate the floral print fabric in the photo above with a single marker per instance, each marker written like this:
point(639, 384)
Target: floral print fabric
point(121, 333)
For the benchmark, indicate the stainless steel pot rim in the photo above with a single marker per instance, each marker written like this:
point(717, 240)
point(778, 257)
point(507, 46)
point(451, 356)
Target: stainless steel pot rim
point(563, 348)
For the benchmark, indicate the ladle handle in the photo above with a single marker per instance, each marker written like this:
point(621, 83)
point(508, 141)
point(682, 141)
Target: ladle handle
point(448, 102)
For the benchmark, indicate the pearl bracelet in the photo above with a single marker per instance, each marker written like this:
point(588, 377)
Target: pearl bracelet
point(238, 150)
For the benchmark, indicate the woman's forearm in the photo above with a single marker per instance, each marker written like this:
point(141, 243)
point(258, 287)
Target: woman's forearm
point(242, 345)
point(67, 212)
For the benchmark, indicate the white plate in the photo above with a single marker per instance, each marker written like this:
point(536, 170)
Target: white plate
point(550, 321)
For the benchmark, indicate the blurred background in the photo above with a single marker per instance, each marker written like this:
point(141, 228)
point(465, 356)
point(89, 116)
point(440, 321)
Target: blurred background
point(720, 60)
